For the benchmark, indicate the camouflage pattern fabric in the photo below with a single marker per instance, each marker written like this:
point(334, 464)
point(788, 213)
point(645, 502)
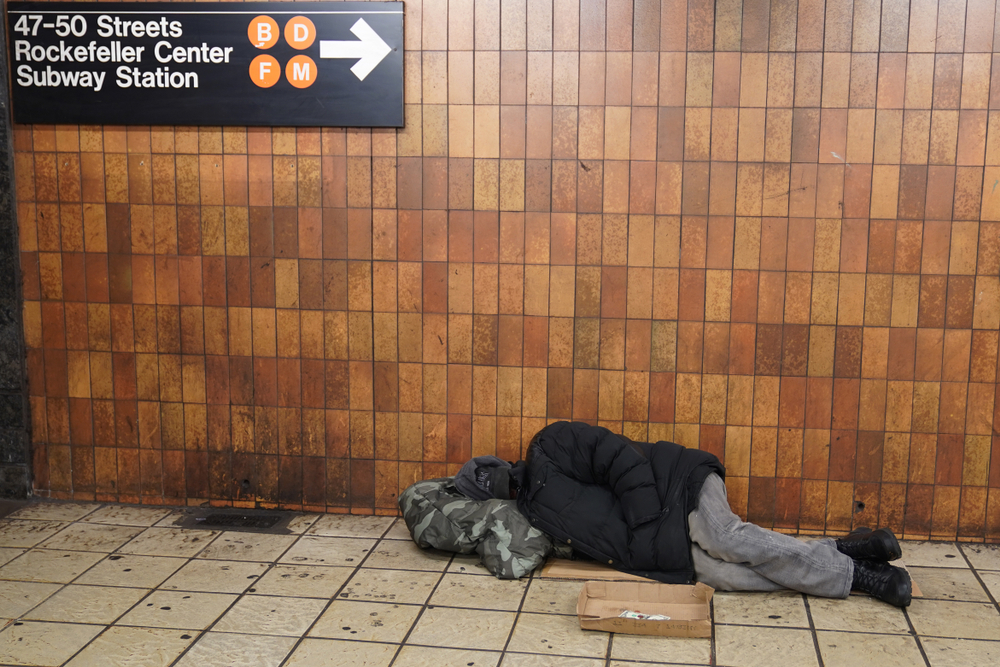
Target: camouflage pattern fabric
point(440, 517)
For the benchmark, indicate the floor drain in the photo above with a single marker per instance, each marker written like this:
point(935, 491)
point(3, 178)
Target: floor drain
point(260, 521)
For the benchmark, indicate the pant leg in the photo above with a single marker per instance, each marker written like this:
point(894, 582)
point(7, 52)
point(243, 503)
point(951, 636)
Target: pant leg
point(723, 576)
point(814, 567)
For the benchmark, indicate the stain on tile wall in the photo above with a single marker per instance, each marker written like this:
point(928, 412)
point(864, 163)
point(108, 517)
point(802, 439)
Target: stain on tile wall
point(766, 228)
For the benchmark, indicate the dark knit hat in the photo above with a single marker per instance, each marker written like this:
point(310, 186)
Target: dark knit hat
point(484, 477)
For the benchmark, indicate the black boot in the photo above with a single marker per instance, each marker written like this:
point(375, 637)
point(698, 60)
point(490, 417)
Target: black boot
point(883, 581)
point(864, 544)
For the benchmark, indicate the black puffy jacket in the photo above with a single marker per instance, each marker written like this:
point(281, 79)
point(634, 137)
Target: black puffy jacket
point(619, 502)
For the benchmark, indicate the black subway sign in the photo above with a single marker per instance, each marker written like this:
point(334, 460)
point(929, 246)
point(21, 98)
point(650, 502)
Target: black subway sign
point(184, 63)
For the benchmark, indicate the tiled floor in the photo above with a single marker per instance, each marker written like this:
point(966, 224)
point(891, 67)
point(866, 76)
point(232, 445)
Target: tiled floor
point(85, 585)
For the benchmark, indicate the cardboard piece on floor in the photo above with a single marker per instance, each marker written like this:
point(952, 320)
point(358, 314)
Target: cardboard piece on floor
point(561, 568)
point(686, 608)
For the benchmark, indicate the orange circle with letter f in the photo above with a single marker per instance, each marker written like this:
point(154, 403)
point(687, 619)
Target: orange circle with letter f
point(265, 71)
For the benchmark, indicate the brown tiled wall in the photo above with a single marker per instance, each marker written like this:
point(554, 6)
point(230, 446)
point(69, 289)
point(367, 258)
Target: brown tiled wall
point(769, 229)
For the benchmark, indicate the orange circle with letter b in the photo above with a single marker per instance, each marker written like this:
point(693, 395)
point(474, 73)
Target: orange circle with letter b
point(301, 71)
point(263, 32)
point(300, 33)
point(265, 71)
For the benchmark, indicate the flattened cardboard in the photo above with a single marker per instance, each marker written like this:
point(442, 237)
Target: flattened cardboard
point(688, 606)
point(561, 568)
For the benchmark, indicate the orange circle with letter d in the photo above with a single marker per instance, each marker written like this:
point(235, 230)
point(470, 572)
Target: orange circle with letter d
point(263, 32)
point(265, 71)
point(301, 71)
point(300, 33)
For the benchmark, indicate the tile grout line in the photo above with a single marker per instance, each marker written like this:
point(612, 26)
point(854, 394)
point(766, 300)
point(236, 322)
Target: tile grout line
point(270, 566)
point(975, 573)
point(812, 630)
point(517, 617)
point(64, 586)
point(712, 653)
point(336, 595)
point(423, 607)
point(105, 558)
point(916, 637)
point(149, 591)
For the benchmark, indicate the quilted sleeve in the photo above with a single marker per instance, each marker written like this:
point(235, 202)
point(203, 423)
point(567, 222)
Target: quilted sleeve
point(440, 517)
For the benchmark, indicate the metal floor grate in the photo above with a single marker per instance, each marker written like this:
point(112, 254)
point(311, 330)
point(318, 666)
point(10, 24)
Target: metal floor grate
point(262, 521)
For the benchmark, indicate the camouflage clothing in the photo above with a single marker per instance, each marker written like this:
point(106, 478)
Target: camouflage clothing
point(439, 516)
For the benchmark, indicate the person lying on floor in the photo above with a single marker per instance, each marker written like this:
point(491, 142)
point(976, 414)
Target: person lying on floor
point(659, 510)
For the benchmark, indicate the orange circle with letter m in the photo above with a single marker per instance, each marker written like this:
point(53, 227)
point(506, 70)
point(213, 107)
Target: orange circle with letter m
point(301, 71)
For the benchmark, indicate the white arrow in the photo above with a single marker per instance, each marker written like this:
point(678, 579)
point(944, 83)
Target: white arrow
point(370, 50)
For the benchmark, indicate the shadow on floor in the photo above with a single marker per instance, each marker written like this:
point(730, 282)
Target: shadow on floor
point(8, 506)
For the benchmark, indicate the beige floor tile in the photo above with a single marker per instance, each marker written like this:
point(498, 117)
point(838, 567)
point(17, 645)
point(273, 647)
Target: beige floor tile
point(15, 533)
point(931, 554)
point(304, 581)
point(43, 644)
point(404, 587)
point(336, 653)
point(55, 511)
point(992, 581)
point(215, 576)
point(366, 621)
point(17, 597)
point(965, 620)
point(960, 652)
point(535, 660)
point(170, 609)
point(232, 545)
point(778, 609)
point(556, 635)
point(169, 542)
point(133, 647)
point(300, 523)
point(399, 531)
point(738, 646)
point(317, 550)
point(619, 663)
point(983, 556)
point(217, 649)
point(7, 555)
point(685, 650)
point(174, 518)
point(400, 555)
point(347, 525)
point(851, 649)
point(948, 583)
point(123, 515)
point(462, 628)
point(267, 615)
point(91, 537)
point(86, 604)
point(60, 567)
point(466, 590)
point(858, 613)
point(424, 656)
point(551, 596)
point(131, 571)
point(468, 565)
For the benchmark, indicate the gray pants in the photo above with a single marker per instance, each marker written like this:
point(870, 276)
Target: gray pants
point(732, 555)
